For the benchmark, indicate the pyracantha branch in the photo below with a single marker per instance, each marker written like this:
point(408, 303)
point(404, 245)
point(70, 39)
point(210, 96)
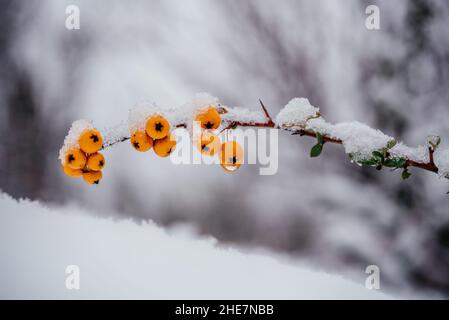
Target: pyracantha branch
point(269, 123)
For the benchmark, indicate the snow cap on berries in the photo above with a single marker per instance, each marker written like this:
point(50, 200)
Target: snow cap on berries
point(71, 141)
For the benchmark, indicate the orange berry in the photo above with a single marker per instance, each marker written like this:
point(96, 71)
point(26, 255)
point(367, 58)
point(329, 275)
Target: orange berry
point(92, 177)
point(91, 141)
point(231, 154)
point(75, 159)
point(74, 173)
point(141, 142)
point(157, 127)
point(96, 162)
point(208, 143)
point(209, 118)
point(230, 168)
point(164, 147)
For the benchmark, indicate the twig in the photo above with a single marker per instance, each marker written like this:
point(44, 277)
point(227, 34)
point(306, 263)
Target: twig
point(429, 166)
point(110, 144)
point(312, 134)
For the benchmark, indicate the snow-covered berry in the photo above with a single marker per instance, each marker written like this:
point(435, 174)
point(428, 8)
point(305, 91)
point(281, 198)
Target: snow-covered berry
point(157, 127)
point(209, 118)
point(75, 159)
point(91, 141)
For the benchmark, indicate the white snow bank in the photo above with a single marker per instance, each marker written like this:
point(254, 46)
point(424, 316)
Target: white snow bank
point(126, 260)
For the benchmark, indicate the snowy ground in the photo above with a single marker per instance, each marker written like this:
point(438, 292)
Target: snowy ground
point(121, 259)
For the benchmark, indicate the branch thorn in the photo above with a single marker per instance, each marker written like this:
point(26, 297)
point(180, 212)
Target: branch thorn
point(267, 115)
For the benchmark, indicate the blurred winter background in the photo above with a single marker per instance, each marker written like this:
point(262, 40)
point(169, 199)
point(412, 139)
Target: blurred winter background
point(326, 211)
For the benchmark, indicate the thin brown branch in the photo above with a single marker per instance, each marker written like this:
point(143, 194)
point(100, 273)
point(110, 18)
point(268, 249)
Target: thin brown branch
point(429, 166)
point(426, 166)
point(312, 134)
point(110, 144)
point(431, 151)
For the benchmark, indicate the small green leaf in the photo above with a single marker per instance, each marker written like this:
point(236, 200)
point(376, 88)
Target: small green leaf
point(369, 162)
point(316, 150)
point(379, 155)
point(395, 162)
point(391, 144)
point(401, 162)
point(405, 174)
point(390, 163)
point(319, 138)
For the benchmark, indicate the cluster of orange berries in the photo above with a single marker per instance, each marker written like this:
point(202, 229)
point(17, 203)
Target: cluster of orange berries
point(157, 135)
point(86, 161)
point(231, 153)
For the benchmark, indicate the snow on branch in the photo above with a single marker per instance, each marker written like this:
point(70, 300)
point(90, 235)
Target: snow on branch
point(364, 145)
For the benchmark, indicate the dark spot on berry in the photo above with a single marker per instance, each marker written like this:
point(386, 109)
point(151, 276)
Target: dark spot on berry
point(136, 145)
point(233, 160)
point(94, 138)
point(159, 126)
point(101, 163)
point(209, 125)
point(70, 158)
point(97, 182)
